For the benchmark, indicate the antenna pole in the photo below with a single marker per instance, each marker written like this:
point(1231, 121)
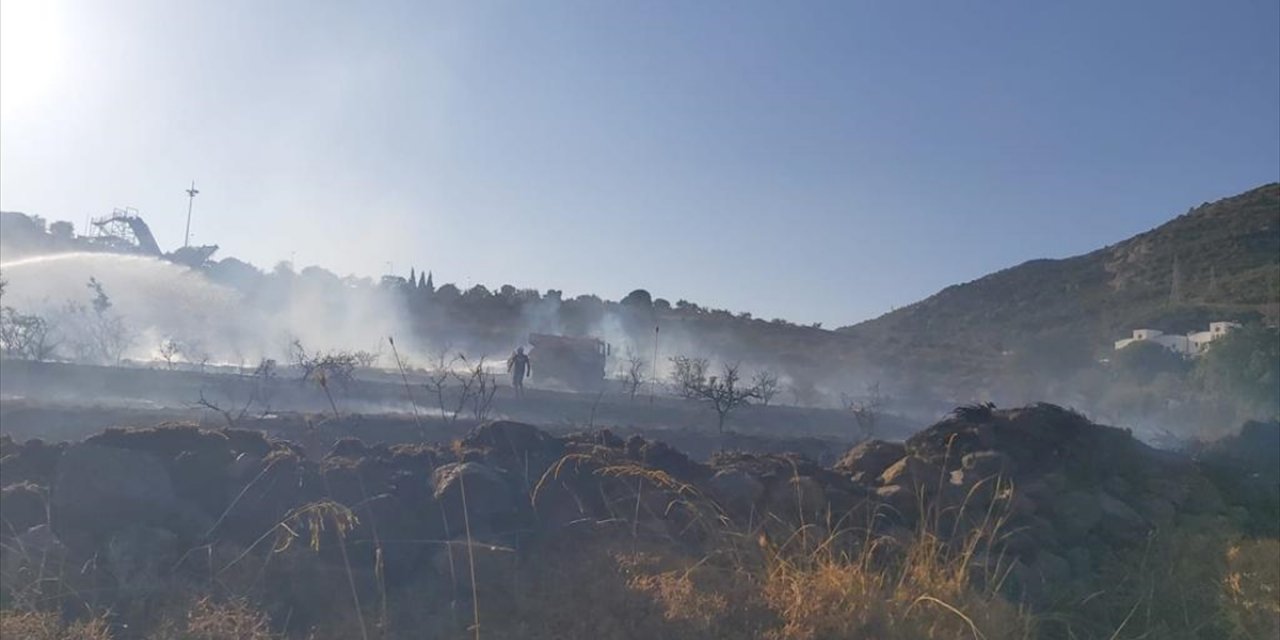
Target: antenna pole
point(653, 378)
point(191, 199)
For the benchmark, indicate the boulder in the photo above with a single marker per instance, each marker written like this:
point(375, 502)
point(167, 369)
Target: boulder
point(912, 472)
point(799, 497)
point(868, 460)
point(515, 438)
point(493, 565)
point(139, 557)
point(33, 555)
point(489, 497)
point(22, 506)
point(985, 464)
point(901, 503)
point(736, 489)
point(1120, 522)
point(32, 461)
point(101, 490)
point(1075, 513)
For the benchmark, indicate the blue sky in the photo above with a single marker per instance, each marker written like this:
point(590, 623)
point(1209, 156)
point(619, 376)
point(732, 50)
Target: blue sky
point(814, 161)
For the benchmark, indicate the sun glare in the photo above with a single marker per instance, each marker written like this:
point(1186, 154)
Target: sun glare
point(30, 50)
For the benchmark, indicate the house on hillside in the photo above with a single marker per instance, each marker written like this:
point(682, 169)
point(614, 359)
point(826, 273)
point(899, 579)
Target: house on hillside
point(1175, 343)
point(1200, 339)
point(1192, 344)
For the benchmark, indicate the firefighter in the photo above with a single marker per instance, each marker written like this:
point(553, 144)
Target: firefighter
point(518, 366)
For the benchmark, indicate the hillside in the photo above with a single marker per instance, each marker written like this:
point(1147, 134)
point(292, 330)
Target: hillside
point(1218, 261)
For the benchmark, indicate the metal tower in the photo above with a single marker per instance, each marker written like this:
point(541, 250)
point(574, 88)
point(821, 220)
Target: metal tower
point(191, 199)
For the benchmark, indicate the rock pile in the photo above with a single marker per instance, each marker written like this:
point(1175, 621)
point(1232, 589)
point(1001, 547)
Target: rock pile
point(1070, 493)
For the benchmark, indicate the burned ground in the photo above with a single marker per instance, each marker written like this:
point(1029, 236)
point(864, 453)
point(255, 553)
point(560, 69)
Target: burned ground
point(184, 505)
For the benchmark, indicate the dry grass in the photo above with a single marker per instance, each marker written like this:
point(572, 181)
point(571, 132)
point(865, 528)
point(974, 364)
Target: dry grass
point(207, 619)
point(915, 589)
point(45, 625)
point(1251, 588)
point(612, 579)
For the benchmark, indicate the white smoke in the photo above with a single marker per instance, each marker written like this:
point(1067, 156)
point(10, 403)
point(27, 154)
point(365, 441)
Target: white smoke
point(160, 301)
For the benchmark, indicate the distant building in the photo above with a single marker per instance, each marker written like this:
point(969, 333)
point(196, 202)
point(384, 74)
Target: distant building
point(1200, 339)
point(1192, 344)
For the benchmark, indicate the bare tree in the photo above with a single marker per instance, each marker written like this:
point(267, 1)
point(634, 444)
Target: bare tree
point(106, 335)
point(170, 349)
point(478, 388)
point(261, 383)
point(632, 374)
point(439, 376)
point(688, 373)
point(867, 410)
point(765, 382)
point(25, 336)
point(458, 390)
point(334, 366)
point(722, 392)
point(366, 359)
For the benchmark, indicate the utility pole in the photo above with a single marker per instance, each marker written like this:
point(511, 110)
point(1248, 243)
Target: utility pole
point(653, 377)
point(191, 199)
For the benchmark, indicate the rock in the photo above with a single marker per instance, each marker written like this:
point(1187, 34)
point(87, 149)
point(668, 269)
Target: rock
point(870, 458)
point(1203, 497)
point(912, 472)
point(1117, 486)
point(493, 564)
point(393, 525)
point(30, 556)
point(1076, 513)
point(514, 438)
point(525, 451)
point(1171, 489)
point(200, 478)
point(244, 468)
point(348, 447)
point(799, 497)
point(1120, 522)
point(635, 448)
point(101, 490)
point(985, 464)
point(1024, 583)
point(22, 506)
point(32, 461)
point(903, 503)
point(1025, 540)
point(736, 489)
point(1159, 511)
point(1081, 561)
point(489, 498)
point(139, 557)
point(1053, 569)
point(258, 502)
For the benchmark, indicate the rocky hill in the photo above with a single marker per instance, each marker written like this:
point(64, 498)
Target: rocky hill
point(1218, 261)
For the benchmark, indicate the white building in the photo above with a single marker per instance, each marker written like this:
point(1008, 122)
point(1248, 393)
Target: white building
point(1200, 339)
point(1192, 344)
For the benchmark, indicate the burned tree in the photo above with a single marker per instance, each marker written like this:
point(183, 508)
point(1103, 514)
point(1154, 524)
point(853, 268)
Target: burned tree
point(475, 387)
point(241, 393)
point(866, 410)
point(169, 351)
point(24, 335)
point(765, 383)
point(98, 334)
point(335, 366)
point(722, 393)
point(631, 376)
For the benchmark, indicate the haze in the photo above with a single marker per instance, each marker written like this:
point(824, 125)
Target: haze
point(760, 158)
